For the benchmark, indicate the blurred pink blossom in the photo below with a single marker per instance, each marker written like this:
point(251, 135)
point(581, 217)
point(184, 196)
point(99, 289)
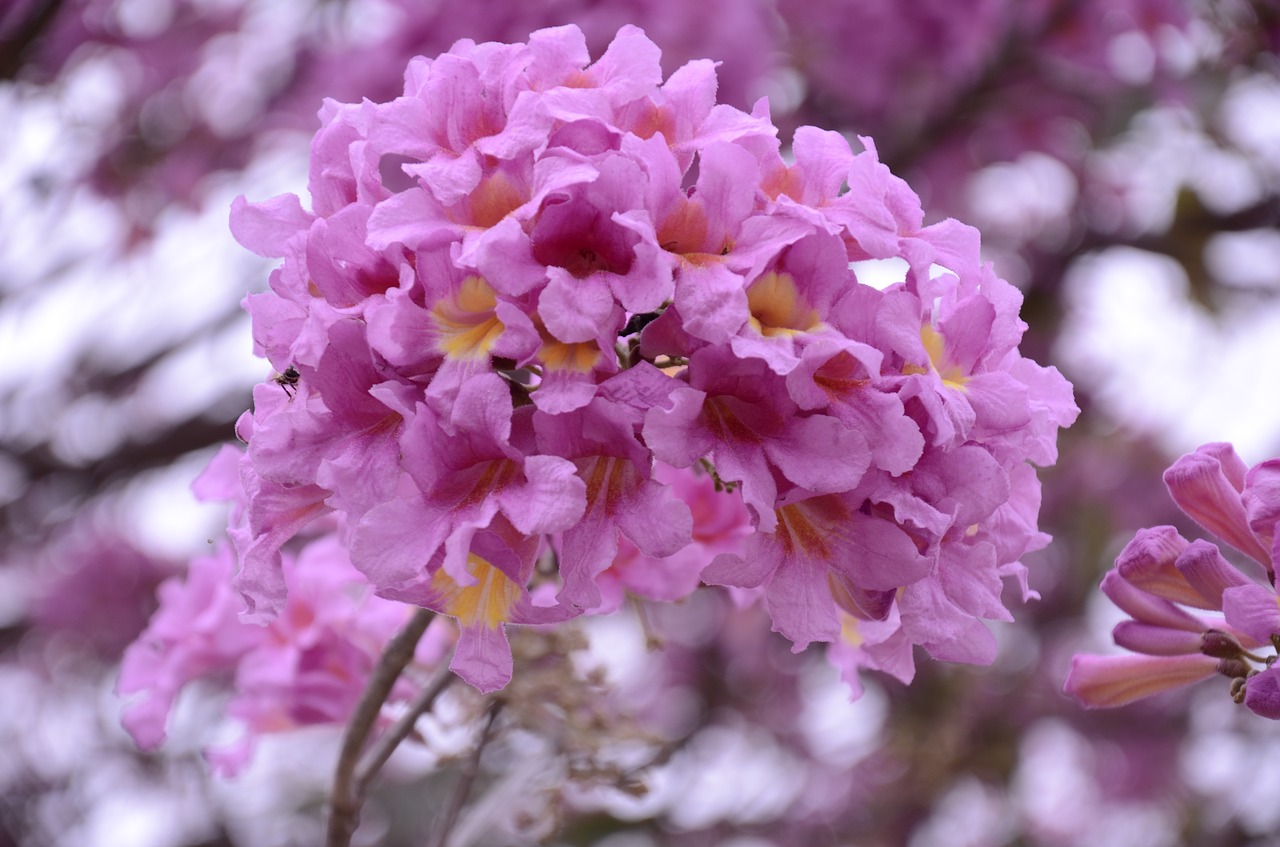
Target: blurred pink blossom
point(1161, 581)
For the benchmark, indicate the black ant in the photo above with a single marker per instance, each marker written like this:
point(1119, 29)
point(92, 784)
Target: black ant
point(288, 380)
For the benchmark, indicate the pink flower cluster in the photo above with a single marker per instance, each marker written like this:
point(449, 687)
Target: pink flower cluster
point(307, 667)
point(1166, 584)
point(536, 297)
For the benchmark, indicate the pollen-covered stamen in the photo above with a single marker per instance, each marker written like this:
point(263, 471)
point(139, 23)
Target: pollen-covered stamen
point(466, 325)
point(488, 602)
point(777, 307)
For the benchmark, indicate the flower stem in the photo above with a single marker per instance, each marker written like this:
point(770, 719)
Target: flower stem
point(470, 770)
point(382, 748)
point(347, 795)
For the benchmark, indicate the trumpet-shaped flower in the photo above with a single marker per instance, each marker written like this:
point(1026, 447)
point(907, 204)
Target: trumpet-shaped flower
point(554, 329)
point(1160, 577)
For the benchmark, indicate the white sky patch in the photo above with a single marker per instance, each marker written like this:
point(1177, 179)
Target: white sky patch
point(1026, 198)
point(1223, 742)
point(1246, 259)
point(75, 296)
point(1251, 114)
point(726, 773)
point(969, 815)
point(1159, 363)
point(166, 518)
point(839, 732)
point(731, 773)
point(880, 273)
point(1226, 181)
point(144, 18)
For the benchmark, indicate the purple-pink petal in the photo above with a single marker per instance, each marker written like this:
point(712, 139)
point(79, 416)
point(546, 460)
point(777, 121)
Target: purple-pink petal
point(1108, 681)
point(1207, 485)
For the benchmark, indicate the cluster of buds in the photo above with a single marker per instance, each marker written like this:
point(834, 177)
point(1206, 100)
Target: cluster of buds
point(556, 329)
point(1166, 584)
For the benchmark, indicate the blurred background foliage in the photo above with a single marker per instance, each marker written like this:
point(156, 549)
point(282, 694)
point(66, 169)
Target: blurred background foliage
point(1122, 160)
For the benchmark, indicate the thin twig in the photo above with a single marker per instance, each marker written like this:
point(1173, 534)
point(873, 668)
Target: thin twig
point(382, 748)
point(15, 47)
point(344, 800)
point(470, 770)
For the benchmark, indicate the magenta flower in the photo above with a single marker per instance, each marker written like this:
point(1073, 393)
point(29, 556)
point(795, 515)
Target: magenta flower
point(499, 565)
point(558, 329)
point(720, 524)
point(1164, 583)
point(305, 667)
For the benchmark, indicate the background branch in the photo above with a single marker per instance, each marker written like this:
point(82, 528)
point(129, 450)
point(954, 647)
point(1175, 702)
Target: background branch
point(469, 772)
point(344, 800)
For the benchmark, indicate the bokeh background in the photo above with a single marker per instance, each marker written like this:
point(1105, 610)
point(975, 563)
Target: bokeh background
point(1122, 161)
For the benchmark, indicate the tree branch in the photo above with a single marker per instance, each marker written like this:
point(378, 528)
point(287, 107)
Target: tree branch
point(15, 46)
point(385, 745)
point(345, 799)
point(470, 770)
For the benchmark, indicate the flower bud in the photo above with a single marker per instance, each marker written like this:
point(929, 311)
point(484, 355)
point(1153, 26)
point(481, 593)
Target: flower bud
point(1220, 645)
point(1233, 668)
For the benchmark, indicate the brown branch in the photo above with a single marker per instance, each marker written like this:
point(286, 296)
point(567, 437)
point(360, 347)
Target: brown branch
point(344, 800)
point(15, 46)
point(385, 745)
point(470, 770)
point(50, 479)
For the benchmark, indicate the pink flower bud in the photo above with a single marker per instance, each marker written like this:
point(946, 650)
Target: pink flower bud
point(1206, 485)
point(1108, 681)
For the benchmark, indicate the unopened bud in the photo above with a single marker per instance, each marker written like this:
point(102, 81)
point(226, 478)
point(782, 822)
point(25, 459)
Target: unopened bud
point(1237, 690)
point(1234, 668)
point(1220, 645)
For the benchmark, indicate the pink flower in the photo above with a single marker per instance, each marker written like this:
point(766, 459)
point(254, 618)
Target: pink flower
point(455, 484)
point(499, 564)
point(1159, 574)
point(736, 414)
point(819, 539)
point(720, 525)
point(622, 500)
point(512, 298)
point(97, 585)
point(1207, 485)
point(196, 632)
point(306, 667)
